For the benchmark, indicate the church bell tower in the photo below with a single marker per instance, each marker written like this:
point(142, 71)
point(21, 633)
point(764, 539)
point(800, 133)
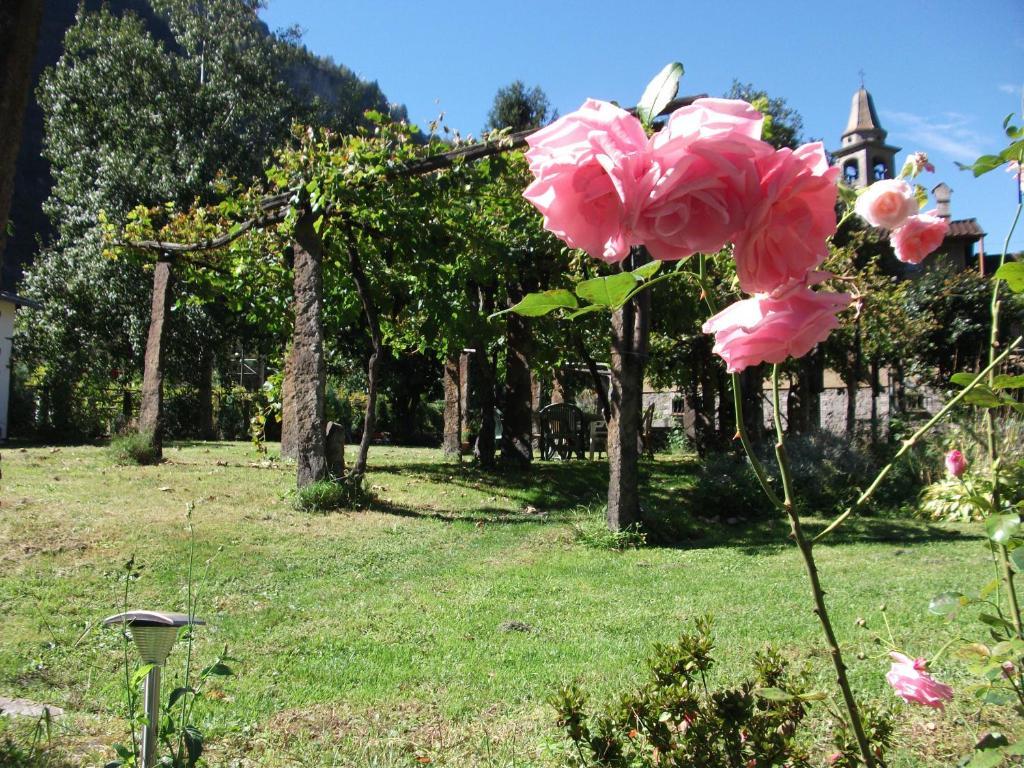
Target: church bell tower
point(864, 157)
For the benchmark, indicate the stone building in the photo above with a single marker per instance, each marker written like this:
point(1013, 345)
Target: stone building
point(864, 158)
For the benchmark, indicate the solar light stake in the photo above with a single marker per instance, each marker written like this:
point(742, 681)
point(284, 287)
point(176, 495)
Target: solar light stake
point(154, 634)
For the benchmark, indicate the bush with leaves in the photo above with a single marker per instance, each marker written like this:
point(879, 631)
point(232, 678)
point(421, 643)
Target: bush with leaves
point(675, 718)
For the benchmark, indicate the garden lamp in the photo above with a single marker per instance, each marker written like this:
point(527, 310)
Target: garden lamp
point(154, 634)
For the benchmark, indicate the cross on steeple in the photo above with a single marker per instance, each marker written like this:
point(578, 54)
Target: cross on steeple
point(861, 73)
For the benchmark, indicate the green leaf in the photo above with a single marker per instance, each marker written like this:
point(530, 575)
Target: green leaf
point(193, 744)
point(947, 603)
point(1006, 381)
point(140, 674)
point(1001, 528)
point(537, 304)
point(648, 270)
point(973, 652)
point(1013, 274)
point(585, 311)
point(997, 622)
point(1017, 558)
point(219, 668)
point(176, 695)
point(963, 378)
point(773, 694)
point(608, 291)
point(983, 397)
point(922, 196)
point(659, 92)
point(983, 164)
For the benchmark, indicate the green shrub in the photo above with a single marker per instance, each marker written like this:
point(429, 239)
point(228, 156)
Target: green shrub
point(348, 492)
point(674, 717)
point(592, 531)
point(134, 448)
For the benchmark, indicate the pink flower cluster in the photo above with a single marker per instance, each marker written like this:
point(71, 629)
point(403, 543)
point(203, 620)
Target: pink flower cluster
point(704, 180)
point(912, 683)
point(891, 204)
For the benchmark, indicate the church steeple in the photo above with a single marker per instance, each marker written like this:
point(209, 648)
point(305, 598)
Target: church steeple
point(864, 156)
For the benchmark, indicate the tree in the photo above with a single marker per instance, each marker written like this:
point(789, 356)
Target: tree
point(783, 125)
point(519, 108)
point(19, 29)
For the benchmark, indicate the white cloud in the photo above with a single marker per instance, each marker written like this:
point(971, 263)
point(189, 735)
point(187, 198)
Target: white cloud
point(950, 133)
point(1012, 90)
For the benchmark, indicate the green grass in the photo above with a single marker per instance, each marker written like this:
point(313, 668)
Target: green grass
point(380, 637)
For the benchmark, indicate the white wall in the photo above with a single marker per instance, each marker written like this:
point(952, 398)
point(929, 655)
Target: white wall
point(6, 335)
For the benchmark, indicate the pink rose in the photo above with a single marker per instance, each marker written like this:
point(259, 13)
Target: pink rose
point(887, 203)
point(919, 236)
point(768, 329)
point(593, 172)
point(785, 233)
point(912, 683)
point(707, 178)
point(956, 464)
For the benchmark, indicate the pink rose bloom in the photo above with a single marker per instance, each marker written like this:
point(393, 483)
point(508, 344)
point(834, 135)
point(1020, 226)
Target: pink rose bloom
point(912, 683)
point(768, 329)
point(593, 172)
point(785, 233)
point(919, 236)
point(956, 464)
point(887, 203)
point(707, 178)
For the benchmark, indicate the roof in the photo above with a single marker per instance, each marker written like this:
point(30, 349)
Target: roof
point(965, 228)
point(863, 117)
point(18, 301)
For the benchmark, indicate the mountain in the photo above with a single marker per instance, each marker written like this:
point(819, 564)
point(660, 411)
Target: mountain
point(339, 97)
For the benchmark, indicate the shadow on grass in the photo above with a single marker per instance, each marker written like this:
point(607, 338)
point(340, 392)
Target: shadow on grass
point(683, 508)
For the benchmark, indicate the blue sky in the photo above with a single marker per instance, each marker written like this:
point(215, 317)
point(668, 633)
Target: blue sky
point(943, 74)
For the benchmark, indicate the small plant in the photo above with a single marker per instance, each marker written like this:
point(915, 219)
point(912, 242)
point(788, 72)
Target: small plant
point(348, 492)
point(675, 718)
point(36, 754)
point(593, 532)
point(134, 448)
point(180, 738)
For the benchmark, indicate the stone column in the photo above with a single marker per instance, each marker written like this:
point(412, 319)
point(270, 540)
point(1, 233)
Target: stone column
point(452, 442)
point(152, 403)
point(308, 353)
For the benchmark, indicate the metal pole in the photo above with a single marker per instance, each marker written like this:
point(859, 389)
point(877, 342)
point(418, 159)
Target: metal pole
point(151, 699)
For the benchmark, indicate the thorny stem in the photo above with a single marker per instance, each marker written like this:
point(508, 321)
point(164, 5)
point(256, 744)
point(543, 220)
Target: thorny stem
point(127, 669)
point(805, 547)
point(179, 751)
point(992, 431)
point(912, 441)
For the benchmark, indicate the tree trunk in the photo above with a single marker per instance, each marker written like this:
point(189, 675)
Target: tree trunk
point(516, 417)
point(152, 403)
point(376, 358)
point(752, 386)
point(536, 396)
point(876, 390)
point(704, 405)
point(289, 425)
point(630, 332)
point(483, 376)
point(308, 367)
point(204, 418)
point(853, 377)
point(452, 443)
point(19, 33)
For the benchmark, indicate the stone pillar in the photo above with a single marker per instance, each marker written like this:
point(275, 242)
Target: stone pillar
point(152, 403)
point(288, 423)
point(308, 353)
point(452, 442)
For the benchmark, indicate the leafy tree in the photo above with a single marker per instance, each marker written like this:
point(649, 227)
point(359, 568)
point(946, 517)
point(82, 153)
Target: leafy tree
point(517, 107)
point(783, 125)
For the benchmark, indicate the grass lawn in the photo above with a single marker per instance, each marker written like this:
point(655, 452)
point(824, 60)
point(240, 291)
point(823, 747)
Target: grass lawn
point(383, 637)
